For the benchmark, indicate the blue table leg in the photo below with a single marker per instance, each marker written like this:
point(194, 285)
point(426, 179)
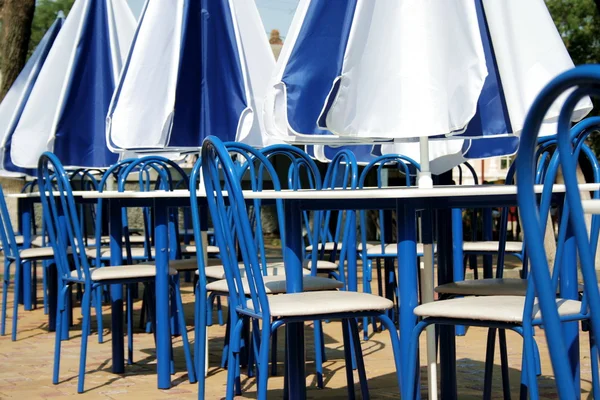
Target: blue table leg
point(488, 271)
point(351, 253)
point(407, 276)
point(27, 273)
point(458, 256)
point(292, 256)
point(447, 341)
point(569, 290)
point(163, 334)
point(174, 254)
point(116, 291)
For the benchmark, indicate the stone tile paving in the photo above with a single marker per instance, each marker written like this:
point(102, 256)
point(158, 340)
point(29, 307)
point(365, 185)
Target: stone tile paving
point(26, 365)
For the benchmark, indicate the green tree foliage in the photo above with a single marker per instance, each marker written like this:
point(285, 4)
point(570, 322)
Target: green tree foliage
point(45, 14)
point(578, 22)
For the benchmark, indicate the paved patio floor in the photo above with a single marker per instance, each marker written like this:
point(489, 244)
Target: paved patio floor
point(26, 365)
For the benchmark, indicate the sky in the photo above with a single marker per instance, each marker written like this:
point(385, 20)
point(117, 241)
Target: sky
point(276, 14)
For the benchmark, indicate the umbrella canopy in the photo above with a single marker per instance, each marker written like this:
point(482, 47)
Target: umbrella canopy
point(67, 107)
point(196, 68)
point(15, 100)
point(399, 70)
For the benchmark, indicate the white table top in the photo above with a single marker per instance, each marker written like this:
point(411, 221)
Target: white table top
point(335, 194)
point(35, 195)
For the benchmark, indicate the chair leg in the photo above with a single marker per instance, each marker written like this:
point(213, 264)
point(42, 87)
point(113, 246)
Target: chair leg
point(504, 364)
point(360, 363)
point(18, 270)
point(220, 311)
point(348, 359)
point(60, 310)
point(233, 358)
point(594, 362)
point(5, 285)
point(129, 313)
point(98, 305)
point(85, 308)
point(412, 391)
point(263, 361)
point(489, 364)
point(318, 330)
point(45, 286)
point(200, 349)
point(274, 353)
point(184, 336)
point(530, 363)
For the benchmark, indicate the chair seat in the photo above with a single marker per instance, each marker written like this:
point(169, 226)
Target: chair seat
point(136, 252)
point(328, 246)
point(38, 253)
point(276, 284)
point(218, 271)
point(191, 264)
point(491, 308)
point(105, 240)
point(190, 249)
point(326, 302)
point(492, 246)
point(391, 249)
point(485, 287)
point(124, 272)
point(36, 241)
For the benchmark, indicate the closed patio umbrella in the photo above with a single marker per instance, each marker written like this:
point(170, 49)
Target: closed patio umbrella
point(196, 68)
point(15, 100)
point(67, 107)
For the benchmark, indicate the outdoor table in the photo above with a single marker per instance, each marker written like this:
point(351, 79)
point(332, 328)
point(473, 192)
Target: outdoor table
point(406, 202)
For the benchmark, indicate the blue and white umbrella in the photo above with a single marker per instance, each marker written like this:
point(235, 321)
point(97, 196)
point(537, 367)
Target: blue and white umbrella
point(14, 102)
point(196, 68)
point(402, 71)
point(67, 107)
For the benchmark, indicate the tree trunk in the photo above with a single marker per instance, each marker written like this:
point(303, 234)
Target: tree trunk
point(16, 17)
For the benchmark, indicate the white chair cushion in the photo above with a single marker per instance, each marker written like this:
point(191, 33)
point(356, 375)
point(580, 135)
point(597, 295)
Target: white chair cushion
point(191, 249)
point(105, 240)
point(218, 271)
point(36, 241)
point(328, 246)
point(485, 287)
point(38, 252)
point(391, 249)
point(276, 284)
point(492, 246)
point(325, 302)
point(490, 308)
point(124, 272)
point(306, 264)
point(137, 252)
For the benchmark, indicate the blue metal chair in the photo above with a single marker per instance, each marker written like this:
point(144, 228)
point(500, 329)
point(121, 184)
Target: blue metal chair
point(254, 168)
point(540, 305)
point(248, 296)
point(382, 249)
point(63, 227)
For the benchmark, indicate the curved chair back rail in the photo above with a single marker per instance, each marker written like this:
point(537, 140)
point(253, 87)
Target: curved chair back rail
point(403, 164)
point(587, 80)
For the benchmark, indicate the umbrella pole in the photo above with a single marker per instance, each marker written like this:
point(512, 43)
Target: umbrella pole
point(425, 182)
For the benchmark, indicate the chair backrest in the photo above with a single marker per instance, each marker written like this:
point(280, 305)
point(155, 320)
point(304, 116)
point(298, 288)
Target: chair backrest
point(405, 165)
point(255, 168)
point(7, 234)
point(302, 173)
point(342, 173)
point(168, 176)
point(62, 219)
point(581, 80)
point(221, 174)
